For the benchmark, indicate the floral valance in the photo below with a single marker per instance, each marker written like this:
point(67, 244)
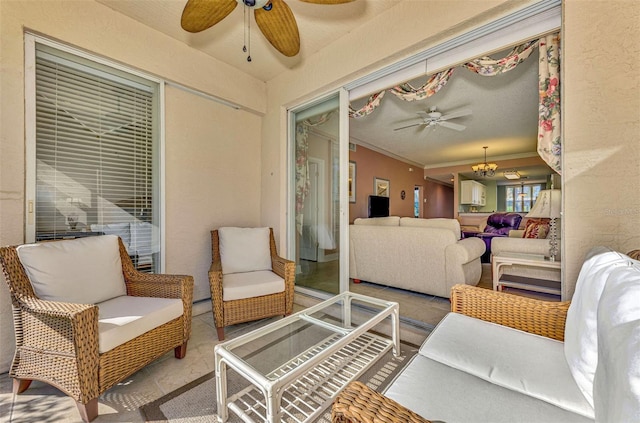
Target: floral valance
point(487, 66)
point(407, 93)
point(369, 107)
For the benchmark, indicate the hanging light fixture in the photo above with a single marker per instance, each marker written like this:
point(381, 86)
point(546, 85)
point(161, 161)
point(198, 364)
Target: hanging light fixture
point(485, 169)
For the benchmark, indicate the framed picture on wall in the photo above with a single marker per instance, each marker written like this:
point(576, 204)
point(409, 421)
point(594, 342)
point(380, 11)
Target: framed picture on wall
point(352, 182)
point(381, 187)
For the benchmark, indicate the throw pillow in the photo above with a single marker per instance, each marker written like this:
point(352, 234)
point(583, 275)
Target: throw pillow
point(537, 229)
point(581, 328)
point(616, 387)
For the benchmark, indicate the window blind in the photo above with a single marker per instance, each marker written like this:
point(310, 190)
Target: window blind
point(95, 153)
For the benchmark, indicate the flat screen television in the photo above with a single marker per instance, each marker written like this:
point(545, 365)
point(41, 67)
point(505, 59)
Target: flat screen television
point(378, 206)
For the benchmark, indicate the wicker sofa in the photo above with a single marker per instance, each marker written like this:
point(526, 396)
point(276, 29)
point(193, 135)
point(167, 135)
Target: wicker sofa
point(421, 255)
point(72, 306)
point(502, 358)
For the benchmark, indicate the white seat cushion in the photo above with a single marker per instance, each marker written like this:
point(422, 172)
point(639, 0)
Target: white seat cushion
point(123, 318)
point(238, 286)
point(616, 389)
point(443, 394)
point(581, 335)
point(84, 271)
point(530, 364)
point(244, 249)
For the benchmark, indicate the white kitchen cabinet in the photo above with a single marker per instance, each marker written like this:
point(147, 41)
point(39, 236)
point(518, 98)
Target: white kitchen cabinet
point(473, 192)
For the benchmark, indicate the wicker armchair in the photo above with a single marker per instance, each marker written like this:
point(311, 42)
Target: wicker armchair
point(253, 308)
point(57, 342)
point(359, 403)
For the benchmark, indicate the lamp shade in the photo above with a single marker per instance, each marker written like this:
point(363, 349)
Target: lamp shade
point(548, 204)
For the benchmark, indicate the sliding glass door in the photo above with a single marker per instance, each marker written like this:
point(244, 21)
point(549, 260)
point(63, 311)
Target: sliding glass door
point(317, 198)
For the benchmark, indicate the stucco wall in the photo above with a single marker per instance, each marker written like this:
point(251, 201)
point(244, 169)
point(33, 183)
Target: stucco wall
point(212, 151)
point(601, 107)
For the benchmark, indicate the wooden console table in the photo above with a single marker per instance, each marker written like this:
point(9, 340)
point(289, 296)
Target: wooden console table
point(500, 280)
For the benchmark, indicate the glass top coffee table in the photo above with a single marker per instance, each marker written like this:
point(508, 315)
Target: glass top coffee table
point(297, 365)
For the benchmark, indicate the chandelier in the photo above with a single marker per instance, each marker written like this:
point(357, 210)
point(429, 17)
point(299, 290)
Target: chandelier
point(485, 169)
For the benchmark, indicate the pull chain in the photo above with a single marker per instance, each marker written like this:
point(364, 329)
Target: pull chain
point(247, 33)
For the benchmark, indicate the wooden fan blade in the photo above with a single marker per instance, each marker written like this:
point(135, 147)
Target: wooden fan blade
point(199, 15)
point(279, 27)
point(327, 1)
point(451, 125)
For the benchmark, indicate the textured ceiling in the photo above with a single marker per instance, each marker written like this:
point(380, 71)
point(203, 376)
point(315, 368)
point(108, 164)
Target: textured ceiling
point(504, 108)
point(318, 25)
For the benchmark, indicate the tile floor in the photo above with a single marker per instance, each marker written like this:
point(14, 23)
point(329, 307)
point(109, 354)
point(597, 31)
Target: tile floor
point(43, 403)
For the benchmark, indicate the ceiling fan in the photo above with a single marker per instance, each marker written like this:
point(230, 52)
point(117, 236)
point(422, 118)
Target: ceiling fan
point(274, 18)
point(433, 118)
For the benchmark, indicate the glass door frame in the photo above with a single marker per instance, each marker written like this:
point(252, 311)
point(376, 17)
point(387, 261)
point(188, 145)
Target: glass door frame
point(343, 148)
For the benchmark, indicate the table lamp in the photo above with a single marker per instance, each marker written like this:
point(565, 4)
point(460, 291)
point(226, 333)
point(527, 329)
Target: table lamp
point(548, 206)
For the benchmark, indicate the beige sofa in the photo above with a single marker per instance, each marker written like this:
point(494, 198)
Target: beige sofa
point(421, 255)
point(502, 358)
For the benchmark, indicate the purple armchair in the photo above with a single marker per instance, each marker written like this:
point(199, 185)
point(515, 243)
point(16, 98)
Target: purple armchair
point(498, 225)
point(501, 223)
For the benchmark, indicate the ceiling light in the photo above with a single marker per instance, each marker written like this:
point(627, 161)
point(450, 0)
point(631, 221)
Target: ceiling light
point(511, 174)
point(485, 169)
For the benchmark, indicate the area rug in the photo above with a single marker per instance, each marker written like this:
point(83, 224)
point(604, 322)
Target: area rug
point(196, 401)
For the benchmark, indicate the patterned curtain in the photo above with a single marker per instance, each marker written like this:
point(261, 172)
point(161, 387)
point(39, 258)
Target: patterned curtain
point(369, 107)
point(302, 164)
point(549, 141)
point(407, 93)
point(486, 66)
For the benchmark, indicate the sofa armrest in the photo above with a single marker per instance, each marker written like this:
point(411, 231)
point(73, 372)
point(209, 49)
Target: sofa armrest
point(359, 403)
point(466, 250)
point(543, 318)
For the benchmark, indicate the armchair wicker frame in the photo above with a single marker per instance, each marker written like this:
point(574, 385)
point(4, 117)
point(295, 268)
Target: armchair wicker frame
point(243, 310)
point(57, 343)
point(360, 404)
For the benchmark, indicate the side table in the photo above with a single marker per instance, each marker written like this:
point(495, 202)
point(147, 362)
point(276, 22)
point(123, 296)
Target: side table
point(521, 282)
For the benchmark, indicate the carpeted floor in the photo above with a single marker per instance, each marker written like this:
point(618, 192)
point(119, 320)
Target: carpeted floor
point(196, 401)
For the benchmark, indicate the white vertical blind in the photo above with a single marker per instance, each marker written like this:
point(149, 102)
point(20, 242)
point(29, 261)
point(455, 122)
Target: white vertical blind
point(95, 153)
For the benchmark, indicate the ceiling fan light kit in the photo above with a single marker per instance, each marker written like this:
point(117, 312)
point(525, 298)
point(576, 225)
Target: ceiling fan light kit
point(485, 169)
point(511, 174)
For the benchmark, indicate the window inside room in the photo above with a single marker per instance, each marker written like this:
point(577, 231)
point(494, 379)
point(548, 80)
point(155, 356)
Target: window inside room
point(94, 153)
point(520, 198)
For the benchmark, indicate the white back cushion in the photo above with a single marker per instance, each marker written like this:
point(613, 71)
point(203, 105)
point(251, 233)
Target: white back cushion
point(85, 270)
point(616, 389)
point(378, 221)
point(244, 249)
point(441, 223)
point(581, 335)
